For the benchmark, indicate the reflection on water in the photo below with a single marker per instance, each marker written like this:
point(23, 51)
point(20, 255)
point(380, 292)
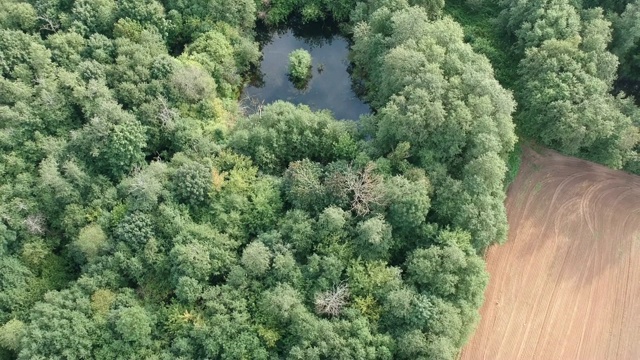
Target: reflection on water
point(329, 87)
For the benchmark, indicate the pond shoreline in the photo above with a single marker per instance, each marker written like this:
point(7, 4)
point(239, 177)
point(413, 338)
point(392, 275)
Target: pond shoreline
point(330, 86)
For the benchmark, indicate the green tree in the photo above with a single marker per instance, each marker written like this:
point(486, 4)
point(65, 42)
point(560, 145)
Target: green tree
point(201, 251)
point(418, 105)
point(533, 22)
point(91, 242)
point(145, 187)
point(433, 7)
point(374, 278)
point(582, 114)
point(332, 225)
point(147, 13)
point(617, 6)
point(112, 141)
point(23, 56)
point(566, 74)
point(66, 49)
point(256, 258)
point(416, 344)
point(60, 327)
point(300, 68)
point(192, 183)
point(374, 238)
point(191, 260)
point(283, 133)
point(93, 16)
point(132, 324)
point(19, 288)
point(188, 289)
point(11, 334)
point(214, 51)
point(303, 184)
point(134, 230)
point(297, 229)
point(453, 273)
point(407, 213)
point(192, 83)
point(626, 40)
point(189, 19)
point(18, 15)
point(128, 333)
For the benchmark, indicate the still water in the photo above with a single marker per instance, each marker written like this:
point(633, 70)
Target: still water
point(330, 85)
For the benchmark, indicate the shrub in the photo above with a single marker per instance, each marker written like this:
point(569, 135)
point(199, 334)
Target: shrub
point(300, 67)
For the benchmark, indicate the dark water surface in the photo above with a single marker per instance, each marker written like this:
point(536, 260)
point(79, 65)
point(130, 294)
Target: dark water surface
point(329, 89)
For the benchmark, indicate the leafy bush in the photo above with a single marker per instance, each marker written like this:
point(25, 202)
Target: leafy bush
point(299, 67)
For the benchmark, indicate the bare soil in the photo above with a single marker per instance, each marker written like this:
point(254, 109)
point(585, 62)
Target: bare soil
point(566, 285)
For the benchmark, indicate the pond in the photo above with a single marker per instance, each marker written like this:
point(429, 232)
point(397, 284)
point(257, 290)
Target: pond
point(330, 86)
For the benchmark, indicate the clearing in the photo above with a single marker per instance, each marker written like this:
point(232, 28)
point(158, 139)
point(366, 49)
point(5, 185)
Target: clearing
point(566, 285)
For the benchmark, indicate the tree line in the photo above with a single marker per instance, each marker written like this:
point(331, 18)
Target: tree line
point(566, 78)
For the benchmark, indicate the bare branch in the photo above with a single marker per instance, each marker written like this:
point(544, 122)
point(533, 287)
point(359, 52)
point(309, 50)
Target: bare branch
point(50, 25)
point(333, 301)
point(166, 115)
point(250, 105)
point(35, 224)
point(364, 188)
point(22, 206)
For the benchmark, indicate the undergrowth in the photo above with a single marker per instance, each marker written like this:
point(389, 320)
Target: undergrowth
point(480, 20)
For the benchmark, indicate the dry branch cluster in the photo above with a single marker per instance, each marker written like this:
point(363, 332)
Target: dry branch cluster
point(364, 187)
point(332, 302)
point(167, 115)
point(35, 224)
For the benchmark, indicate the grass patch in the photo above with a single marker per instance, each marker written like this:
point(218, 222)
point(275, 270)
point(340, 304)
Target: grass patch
point(513, 165)
point(537, 188)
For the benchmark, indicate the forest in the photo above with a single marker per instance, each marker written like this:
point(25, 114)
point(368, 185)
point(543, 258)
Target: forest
point(144, 214)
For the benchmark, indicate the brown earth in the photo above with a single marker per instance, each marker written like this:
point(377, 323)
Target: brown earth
point(566, 285)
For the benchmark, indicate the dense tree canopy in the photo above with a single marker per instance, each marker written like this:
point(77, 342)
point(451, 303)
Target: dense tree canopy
point(439, 105)
point(566, 76)
point(626, 42)
point(144, 214)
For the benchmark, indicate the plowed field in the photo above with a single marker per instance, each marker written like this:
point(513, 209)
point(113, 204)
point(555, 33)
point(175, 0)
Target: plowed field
point(566, 285)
